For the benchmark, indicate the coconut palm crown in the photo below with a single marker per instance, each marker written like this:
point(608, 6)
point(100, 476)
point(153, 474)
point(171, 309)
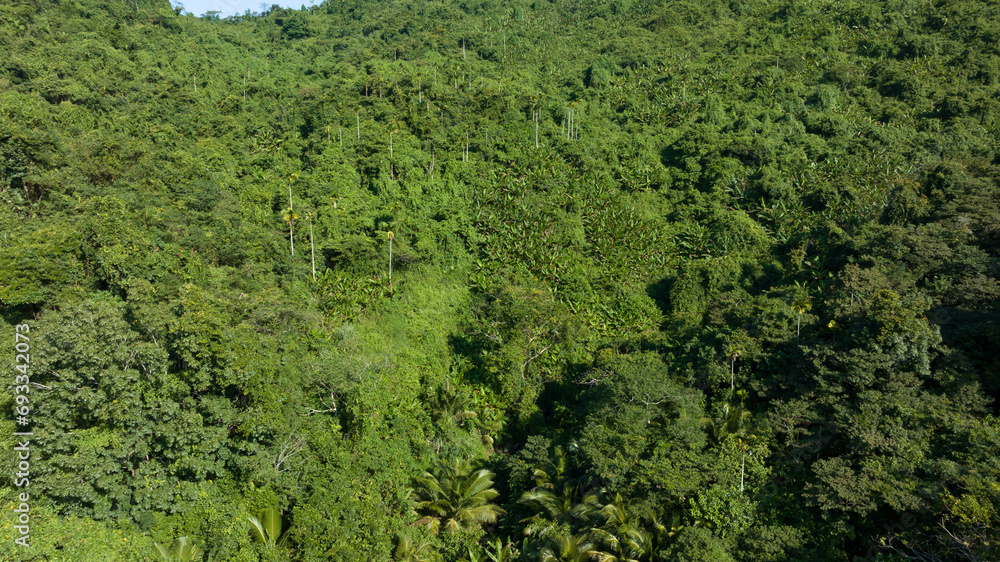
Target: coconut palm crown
point(457, 497)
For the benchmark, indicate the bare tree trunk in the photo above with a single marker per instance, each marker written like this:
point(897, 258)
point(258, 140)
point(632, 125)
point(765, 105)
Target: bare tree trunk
point(732, 373)
point(312, 248)
point(391, 236)
point(536, 129)
point(291, 219)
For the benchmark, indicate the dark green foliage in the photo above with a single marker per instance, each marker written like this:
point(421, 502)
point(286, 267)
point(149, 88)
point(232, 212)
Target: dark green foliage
point(682, 281)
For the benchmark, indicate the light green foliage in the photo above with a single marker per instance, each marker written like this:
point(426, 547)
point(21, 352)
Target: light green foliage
point(65, 538)
point(612, 222)
point(723, 509)
point(697, 544)
point(42, 263)
point(221, 522)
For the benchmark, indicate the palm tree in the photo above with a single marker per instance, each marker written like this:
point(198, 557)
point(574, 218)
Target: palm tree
point(291, 180)
point(738, 344)
point(457, 497)
point(622, 534)
point(289, 216)
point(455, 402)
point(731, 423)
point(570, 548)
point(410, 550)
point(559, 506)
point(627, 537)
point(736, 423)
point(558, 498)
point(394, 131)
point(800, 306)
point(555, 506)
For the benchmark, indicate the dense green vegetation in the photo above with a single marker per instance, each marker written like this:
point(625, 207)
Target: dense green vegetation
point(468, 281)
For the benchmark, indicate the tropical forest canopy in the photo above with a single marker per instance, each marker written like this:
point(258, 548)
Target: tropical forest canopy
point(481, 280)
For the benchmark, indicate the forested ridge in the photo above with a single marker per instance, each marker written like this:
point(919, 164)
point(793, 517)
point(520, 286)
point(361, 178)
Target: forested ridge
point(480, 280)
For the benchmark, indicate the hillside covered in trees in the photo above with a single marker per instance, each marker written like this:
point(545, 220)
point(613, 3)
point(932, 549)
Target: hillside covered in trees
point(469, 280)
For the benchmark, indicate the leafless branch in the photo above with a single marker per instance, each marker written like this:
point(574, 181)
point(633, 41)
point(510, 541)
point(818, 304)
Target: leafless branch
point(533, 357)
point(331, 407)
point(290, 448)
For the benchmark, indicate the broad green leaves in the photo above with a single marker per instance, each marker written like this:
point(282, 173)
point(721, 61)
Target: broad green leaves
point(267, 528)
point(181, 550)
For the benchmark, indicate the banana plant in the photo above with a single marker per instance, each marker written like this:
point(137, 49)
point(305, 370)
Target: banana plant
point(180, 551)
point(267, 528)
